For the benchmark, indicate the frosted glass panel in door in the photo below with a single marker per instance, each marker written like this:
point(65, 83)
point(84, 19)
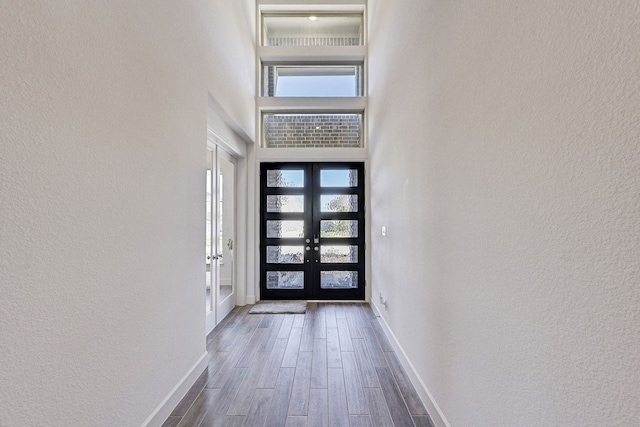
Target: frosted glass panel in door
point(285, 203)
point(339, 203)
point(278, 228)
point(339, 254)
point(338, 178)
point(285, 280)
point(339, 228)
point(338, 279)
point(285, 178)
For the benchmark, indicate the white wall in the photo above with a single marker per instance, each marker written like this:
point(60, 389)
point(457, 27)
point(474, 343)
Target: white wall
point(505, 162)
point(103, 123)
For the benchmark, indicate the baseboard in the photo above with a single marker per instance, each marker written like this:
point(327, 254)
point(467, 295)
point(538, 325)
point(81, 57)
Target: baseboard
point(164, 409)
point(425, 395)
point(250, 299)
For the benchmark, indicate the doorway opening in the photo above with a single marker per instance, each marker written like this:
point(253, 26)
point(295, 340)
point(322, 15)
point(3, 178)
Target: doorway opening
point(220, 235)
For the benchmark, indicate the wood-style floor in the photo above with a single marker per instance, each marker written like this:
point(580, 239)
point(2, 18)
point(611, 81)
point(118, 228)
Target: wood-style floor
point(332, 366)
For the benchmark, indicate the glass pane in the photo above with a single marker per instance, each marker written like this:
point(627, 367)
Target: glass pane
point(338, 279)
point(285, 280)
point(285, 178)
point(312, 30)
point(312, 130)
point(312, 80)
point(341, 253)
point(280, 203)
point(339, 203)
point(339, 228)
point(285, 254)
point(279, 228)
point(208, 248)
point(339, 178)
point(226, 230)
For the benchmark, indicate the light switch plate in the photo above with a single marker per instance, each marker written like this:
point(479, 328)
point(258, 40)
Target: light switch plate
point(384, 230)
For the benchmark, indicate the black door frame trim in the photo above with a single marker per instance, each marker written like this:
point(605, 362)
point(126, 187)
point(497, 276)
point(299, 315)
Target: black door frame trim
point(313, 215)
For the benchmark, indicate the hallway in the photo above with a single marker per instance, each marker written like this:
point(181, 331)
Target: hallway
point(332, 366)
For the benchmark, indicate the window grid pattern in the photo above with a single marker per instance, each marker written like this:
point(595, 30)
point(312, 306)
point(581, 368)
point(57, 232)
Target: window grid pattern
point(313, 41)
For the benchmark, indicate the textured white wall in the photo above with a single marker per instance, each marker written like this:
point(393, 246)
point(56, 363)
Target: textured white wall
point(505, 163)
point(103, 116)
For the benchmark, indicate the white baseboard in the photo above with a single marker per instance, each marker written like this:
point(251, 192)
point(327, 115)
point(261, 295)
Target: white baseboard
point(164, 409)
point(425, 395)
point(250, 299)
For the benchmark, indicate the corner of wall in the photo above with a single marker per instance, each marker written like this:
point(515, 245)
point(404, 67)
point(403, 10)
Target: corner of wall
point(436, 414)
point(164, 409)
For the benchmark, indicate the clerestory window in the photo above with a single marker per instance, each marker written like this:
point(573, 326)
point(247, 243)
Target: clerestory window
point(312, 75)
point(311, 29)
point(312, 80)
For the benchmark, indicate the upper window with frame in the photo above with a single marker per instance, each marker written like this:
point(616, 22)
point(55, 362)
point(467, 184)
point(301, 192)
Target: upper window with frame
point(312, 80)
point(312, 29)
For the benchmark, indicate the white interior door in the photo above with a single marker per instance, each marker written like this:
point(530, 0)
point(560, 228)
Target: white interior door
point(220, 239)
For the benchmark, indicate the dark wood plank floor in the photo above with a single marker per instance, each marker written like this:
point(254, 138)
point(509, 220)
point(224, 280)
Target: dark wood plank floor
point(329, 367)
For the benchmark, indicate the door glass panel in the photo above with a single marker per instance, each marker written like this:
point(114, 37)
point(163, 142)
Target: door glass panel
point(226, 227)
point(339, 228)
point(285, 254)
point(277, 228)
point(339, 178)
point(281, 203)
point(208, 251)
point(339, 253)
point(339, 203)
point(285, 178)
point(285, 280)
point(338, 279)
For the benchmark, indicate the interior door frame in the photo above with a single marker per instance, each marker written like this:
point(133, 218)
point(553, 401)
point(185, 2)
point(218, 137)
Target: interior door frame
point(311, 265)
point(220, 308)
point(228, 302)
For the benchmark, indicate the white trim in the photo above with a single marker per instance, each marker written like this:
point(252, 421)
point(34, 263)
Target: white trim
point(215, 139)
point(314, 54)
point(312, 155)
point(164, 409)
point(295, 5)
point(332, 105)
point(436, 414)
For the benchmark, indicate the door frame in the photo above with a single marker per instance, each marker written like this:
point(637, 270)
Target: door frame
point(311, 264)
point(220, 309)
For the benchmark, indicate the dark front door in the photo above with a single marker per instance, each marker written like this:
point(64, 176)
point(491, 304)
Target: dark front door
point(312, 231)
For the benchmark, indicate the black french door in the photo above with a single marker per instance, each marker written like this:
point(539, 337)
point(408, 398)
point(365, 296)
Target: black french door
point(312, 231)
